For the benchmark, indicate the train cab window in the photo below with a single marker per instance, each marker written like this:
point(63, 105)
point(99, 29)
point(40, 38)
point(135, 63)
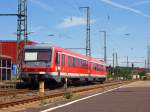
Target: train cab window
point(63, 60)
point(57, 58)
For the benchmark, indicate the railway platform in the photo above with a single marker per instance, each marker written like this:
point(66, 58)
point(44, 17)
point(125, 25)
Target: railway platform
point(134, 97)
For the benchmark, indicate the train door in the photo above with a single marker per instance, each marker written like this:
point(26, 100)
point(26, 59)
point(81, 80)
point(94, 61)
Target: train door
point(58, 64)
point(63, 63)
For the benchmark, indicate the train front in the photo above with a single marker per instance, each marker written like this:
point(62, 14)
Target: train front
point(37, 63)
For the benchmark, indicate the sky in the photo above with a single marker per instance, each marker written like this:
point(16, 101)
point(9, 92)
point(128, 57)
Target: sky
point(127, 23)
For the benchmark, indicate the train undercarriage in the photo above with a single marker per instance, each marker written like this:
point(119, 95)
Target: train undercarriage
point(32, 80)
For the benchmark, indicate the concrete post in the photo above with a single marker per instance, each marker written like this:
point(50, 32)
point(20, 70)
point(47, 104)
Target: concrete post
point(41, 88)
point(66, 82)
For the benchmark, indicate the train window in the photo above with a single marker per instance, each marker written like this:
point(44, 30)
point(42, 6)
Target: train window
point(94, 66)
point(69, 61)
point(77, 62)
point(44, 55)
point(102, 67)
point(98, 67)
point(38, 55)
point(73, 61)
point(63, 60)
point(80, 62)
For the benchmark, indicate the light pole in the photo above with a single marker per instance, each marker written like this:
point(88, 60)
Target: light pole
point(105, 48)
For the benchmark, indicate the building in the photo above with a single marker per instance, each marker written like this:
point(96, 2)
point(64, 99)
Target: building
point(8, 51)
point(9, 48)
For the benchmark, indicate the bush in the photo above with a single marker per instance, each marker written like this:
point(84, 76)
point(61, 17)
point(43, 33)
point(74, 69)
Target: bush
point(68, 95)
point(144, 78)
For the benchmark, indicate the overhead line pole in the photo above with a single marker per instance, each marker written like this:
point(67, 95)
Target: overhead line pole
point(145, 64)
point(127, 61)
point(148, 57)
point(116, 59)
point(113, 64)
point(105, 48)
point(21, 31)
point(88, 40)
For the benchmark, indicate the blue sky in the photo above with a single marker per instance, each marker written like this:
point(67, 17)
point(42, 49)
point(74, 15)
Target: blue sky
point(66, 21)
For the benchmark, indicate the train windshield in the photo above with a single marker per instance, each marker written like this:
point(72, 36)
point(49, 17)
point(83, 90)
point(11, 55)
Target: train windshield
point(35, 57)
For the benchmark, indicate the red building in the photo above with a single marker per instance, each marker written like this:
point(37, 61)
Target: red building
point(9, 48)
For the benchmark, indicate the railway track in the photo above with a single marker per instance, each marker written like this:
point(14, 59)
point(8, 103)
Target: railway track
point(56, 93)
point(12, 92)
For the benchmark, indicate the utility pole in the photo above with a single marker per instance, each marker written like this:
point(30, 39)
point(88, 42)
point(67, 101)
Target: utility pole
point(88, 40)
point(113, 64)
point(113, 60)
point(105, 48)
point(127, 62)
point(148, 57)
point(145, 64)
point(116, 65)
point(116, 59)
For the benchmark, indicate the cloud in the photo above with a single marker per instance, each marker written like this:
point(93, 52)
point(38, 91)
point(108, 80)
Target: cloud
point(141, 3)
point(125, 8)
point(73, 21)
point(42, 5)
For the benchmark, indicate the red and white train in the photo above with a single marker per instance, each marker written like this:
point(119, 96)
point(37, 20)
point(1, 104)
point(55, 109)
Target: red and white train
point(54, 64)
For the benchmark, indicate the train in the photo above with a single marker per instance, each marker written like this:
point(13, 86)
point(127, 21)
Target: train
point(54, 64)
